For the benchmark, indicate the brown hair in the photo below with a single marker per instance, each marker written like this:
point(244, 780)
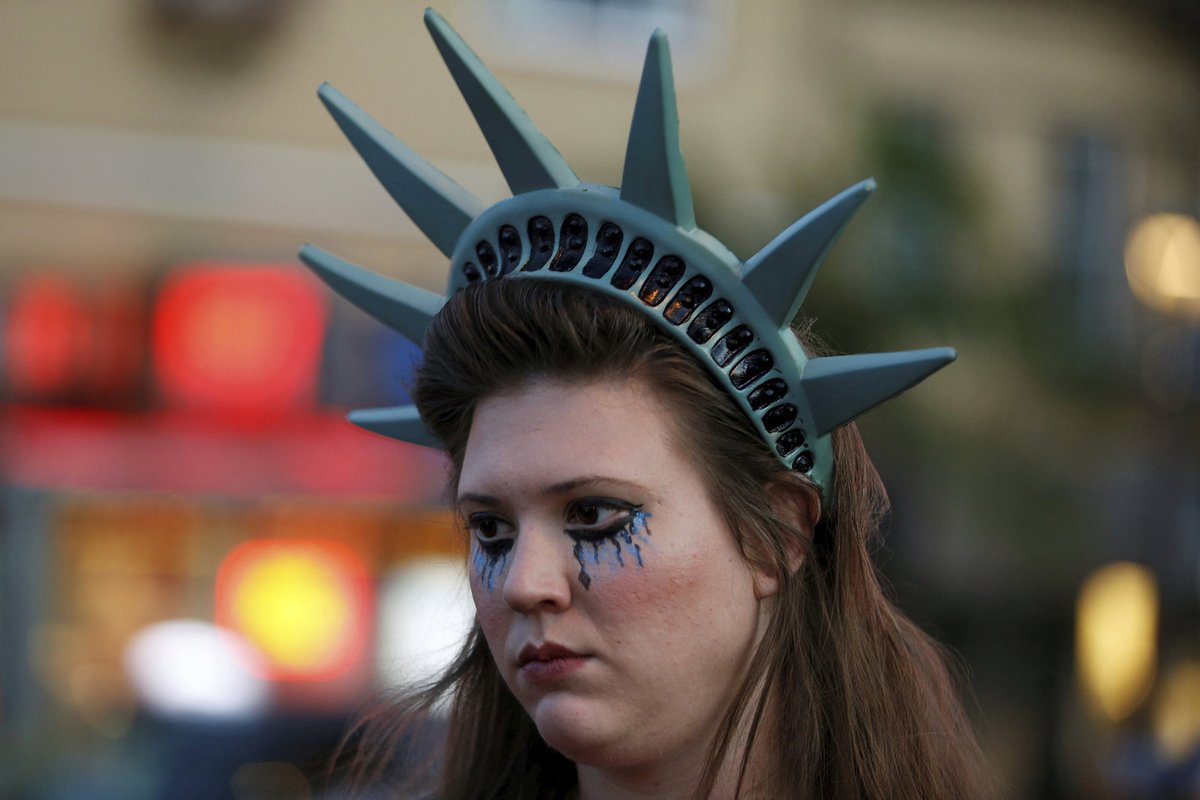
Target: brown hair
point(858, 701)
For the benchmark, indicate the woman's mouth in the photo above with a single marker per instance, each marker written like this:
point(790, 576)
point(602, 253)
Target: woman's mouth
point(548, 662)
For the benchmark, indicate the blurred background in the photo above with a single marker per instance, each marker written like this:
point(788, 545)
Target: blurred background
point(204, 571)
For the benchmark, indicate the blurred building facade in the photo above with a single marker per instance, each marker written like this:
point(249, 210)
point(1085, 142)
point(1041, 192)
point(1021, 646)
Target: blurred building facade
point(1016, 145)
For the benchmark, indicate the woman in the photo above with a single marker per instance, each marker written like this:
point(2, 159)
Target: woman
point(668, 514)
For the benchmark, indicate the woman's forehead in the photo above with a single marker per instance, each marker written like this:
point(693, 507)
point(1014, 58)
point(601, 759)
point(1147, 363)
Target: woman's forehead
point(550, 432)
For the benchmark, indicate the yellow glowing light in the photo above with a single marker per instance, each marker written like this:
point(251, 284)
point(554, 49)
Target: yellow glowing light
point(291, 606)
point(1177, 711)
point(1162, 263)
point(302, 603)
point(1116, 627)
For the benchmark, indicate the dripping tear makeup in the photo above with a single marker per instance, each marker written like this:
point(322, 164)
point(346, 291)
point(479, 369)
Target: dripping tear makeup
point(491, 548)
point(627, 526)
point(489, 559)
point(602, 528)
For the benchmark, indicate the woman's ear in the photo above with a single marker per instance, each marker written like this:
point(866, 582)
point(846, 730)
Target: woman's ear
point(798, 506)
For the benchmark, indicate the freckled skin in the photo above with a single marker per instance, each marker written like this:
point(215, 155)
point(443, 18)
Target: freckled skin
point(667, 642)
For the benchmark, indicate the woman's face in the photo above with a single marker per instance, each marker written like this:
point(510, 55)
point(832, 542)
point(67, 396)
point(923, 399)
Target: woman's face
point(607, 583)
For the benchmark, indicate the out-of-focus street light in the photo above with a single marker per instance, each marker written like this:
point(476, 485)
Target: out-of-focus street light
point(305, 604)
point(1176, 714)
point(1162, 263)
point(1116, 632)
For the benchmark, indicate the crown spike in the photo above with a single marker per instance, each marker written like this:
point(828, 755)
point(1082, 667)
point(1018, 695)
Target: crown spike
point(655, 177)
point(839, 388)
point(781, 273)
point(406, 308)
point(526, 157)
point(440, 207)
point(399, 422)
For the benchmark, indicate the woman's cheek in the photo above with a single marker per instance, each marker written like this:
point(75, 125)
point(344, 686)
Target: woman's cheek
point(669, 597)
point(492, 614)
point(634, 600)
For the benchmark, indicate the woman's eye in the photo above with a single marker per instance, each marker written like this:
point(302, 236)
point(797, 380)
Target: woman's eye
point(597, 513)
point(588, 513)
point(488, 526)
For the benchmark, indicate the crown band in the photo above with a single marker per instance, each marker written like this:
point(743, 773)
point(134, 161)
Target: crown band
point(617, 254)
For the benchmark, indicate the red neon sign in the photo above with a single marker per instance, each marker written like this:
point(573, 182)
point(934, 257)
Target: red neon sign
point(44, 337)
point(239, 339)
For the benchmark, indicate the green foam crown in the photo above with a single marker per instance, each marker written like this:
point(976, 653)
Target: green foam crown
point(639, 244)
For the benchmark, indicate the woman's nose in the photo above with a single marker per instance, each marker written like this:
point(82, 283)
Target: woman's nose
point(538, 577)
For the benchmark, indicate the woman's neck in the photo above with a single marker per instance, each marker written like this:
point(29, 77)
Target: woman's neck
point(663, 780)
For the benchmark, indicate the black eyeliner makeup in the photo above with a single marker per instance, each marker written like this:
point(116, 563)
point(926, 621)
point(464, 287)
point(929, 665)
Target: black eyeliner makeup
point(491, 556)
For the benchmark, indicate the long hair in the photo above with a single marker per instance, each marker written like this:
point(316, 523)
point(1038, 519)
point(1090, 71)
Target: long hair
point(844, 697)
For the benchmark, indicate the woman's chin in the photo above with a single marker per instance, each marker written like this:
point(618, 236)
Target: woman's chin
point(574, 727)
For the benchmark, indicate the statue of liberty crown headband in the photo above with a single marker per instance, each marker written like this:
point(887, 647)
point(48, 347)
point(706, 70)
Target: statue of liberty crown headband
point(639, 244)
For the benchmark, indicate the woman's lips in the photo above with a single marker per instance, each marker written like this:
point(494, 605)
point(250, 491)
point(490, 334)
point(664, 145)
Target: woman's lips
point(548, 662)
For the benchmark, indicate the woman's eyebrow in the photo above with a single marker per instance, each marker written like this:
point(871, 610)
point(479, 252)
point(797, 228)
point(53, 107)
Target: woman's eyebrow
point(478, 499)
point(553, 489)
point(565, 487)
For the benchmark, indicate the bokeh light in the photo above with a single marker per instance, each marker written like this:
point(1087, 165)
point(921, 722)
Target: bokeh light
point(1116, 631)
point(189, 668)
point(304, 604)
point(43, 336)
point(425, 613)
point(1162, 262)
point(238, 339)
point(1177, 710)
